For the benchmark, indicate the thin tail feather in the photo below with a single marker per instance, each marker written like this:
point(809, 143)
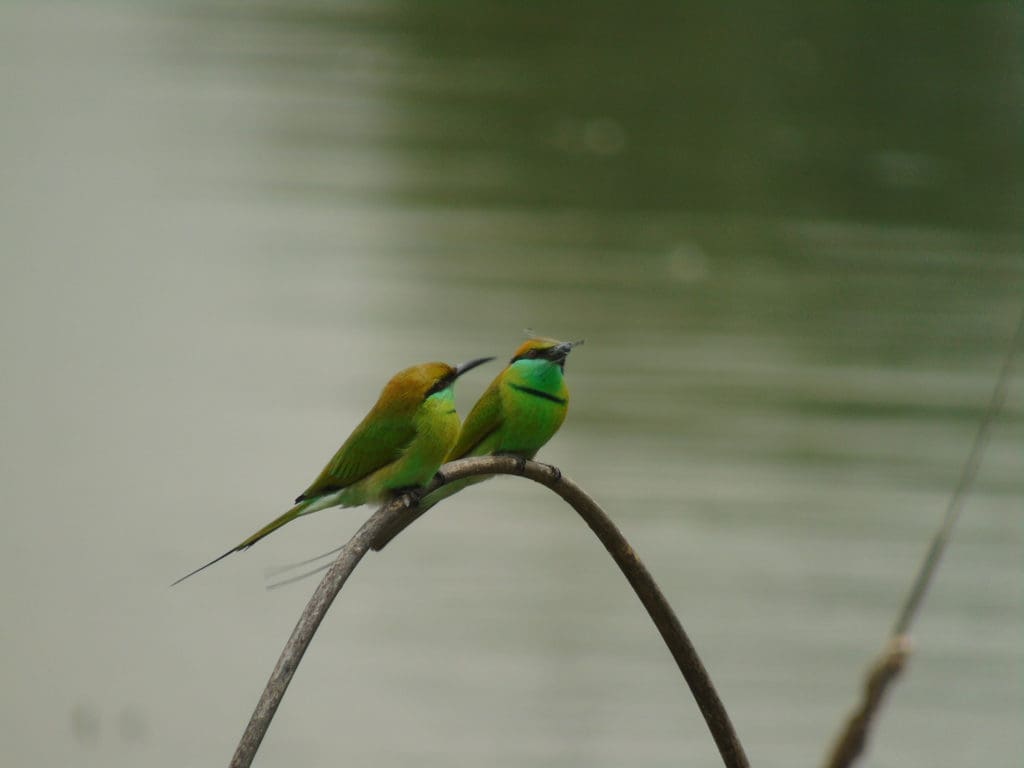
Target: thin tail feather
point(299, 577)
point(299, 509)
point(277, 570)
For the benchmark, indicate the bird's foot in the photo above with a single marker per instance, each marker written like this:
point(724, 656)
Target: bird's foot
point(411, 497)
point(440, 478)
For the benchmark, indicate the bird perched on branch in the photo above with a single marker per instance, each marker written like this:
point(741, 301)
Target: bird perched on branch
point(396, 448)
point(516, 415)
point(523, 407)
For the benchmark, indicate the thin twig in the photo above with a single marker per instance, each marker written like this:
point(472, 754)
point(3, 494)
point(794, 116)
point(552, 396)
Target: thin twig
point(394, 512)
point(956, 501)
point(889, 663)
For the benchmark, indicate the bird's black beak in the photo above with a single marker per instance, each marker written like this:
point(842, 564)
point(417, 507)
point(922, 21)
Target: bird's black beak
point(562, 350)
point(468, 366)
point(559, 352)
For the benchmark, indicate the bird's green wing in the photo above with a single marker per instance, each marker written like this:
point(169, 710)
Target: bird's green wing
point(482, 422)
point(376, 442)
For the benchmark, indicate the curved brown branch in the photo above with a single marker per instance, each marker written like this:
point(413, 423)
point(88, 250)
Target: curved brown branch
point(889, 663)
point(309, 621)
point(397, 512)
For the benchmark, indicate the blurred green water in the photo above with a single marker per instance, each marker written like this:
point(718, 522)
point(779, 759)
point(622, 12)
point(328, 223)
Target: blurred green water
point(791, 237)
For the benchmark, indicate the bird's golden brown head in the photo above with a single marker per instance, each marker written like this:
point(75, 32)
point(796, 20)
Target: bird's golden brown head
point(539, 348)
point(416, 383)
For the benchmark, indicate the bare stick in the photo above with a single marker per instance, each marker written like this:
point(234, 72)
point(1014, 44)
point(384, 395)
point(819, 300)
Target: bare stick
point(887, 666)
point(396, 511)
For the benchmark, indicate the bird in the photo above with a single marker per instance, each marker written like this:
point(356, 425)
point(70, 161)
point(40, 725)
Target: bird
point(396, 448)
point(517, 414)
point(523, 407)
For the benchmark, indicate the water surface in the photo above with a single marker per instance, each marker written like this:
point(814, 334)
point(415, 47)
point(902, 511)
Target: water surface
point(791, 241)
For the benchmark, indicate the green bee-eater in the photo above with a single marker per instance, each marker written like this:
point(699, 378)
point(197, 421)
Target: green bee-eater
point(523, 407)
point(397, 447)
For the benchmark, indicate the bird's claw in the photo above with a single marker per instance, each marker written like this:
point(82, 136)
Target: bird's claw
point(412, 497)
point(440, 478)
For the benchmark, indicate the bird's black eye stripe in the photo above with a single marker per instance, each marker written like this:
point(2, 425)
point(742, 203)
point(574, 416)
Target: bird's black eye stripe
point(547, 353)
point(441, 384)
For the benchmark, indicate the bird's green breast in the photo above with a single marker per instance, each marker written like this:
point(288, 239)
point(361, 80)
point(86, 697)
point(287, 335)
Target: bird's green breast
point(437, 427)
point(534, 401)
